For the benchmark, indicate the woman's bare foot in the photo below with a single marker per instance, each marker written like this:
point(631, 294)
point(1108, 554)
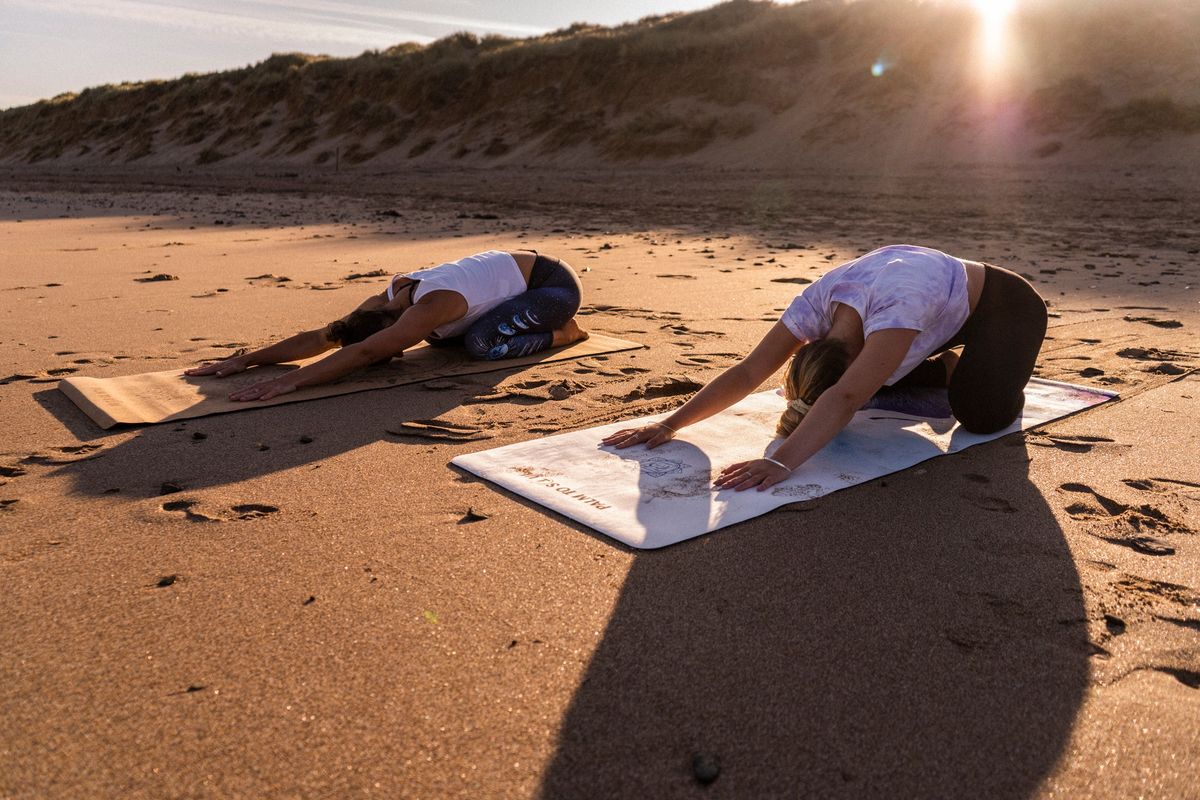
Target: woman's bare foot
point(569, 334)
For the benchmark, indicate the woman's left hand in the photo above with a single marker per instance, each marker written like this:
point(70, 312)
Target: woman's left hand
point(264, 391)
point(746, 474)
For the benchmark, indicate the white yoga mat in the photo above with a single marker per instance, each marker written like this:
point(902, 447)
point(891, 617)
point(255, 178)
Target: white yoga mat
point(653, 498)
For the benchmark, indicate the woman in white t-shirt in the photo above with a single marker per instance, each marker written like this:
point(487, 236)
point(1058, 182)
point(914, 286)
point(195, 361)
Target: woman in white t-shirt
point(496, 304)
point(889, 318)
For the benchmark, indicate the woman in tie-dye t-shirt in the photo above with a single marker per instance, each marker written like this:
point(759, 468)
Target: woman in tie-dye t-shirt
point(889, 318)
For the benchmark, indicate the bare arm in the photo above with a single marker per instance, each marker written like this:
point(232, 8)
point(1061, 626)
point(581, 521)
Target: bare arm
point(726, 389)
point(414, 324)
point(881, 355)
point(294, 348)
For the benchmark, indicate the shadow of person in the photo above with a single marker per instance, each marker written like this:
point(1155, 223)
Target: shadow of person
point(674, 490)
point(892, 640)
point(229, 448)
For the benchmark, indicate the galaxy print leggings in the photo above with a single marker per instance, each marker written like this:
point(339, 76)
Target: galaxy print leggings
point(524, 324)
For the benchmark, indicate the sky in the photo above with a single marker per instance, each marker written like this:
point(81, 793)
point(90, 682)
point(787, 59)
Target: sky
point(52, 46)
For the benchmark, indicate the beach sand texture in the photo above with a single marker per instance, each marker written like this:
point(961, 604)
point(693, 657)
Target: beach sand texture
point(320, 606)
point(305, 600)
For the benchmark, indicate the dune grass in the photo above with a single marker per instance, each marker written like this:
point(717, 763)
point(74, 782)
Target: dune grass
point(661, 87)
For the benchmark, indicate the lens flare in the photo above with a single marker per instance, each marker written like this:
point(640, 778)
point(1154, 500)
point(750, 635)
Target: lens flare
point(994, 20)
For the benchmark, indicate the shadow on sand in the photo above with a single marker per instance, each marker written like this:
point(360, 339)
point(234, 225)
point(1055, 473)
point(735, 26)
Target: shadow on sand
point(230, 448)
point(917, 636)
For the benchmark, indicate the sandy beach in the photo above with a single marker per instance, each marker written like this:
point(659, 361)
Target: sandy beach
point(291, 602)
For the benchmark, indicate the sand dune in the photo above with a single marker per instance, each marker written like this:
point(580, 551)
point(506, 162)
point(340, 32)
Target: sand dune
point(742, 84)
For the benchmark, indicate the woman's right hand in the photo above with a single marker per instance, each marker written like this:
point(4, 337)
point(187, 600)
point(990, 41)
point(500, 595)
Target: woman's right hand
point(230, 366)
point(653, 435)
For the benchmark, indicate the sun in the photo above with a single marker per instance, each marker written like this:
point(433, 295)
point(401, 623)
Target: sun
point(994, 16)
point(995, 13)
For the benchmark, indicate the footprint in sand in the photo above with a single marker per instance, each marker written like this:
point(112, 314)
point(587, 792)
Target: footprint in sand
point(1146, 590)
point(244, 511)
point(1169, 486)
point(437, 430)
point(59, 456)
point(1158, 323)
point(253, 510)
point(990, 503)
point(1132, 523)
point(186, 507)
point(669, 386)
point(1072, 444)
point(1153, 354)
point(1166, 369)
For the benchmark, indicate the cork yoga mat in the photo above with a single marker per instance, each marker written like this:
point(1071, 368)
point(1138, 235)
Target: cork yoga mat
point(154, 397)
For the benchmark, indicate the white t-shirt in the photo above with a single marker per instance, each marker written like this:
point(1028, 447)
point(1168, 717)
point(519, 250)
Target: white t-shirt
point(899, 286)
point(485, 280)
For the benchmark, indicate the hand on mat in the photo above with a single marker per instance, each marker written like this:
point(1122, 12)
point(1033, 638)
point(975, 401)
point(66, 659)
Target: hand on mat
point(230, 366)
point(264, 391)
point(746, 474)
point(653, 435)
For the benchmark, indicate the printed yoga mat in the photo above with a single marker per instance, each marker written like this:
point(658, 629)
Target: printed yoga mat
point(168, 396)
point(653, 498)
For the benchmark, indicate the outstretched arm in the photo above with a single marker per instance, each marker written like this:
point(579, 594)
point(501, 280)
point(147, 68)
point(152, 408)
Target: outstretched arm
point(881, 355)
point(294, 348)
point(726, 389)
point(414, 325)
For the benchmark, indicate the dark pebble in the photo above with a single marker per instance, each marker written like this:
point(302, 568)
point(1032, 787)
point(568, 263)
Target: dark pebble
point(198, 436)
point(166, 580)
point(706, 768)
point(306, 440)
point(170, 487)
point(311, 599)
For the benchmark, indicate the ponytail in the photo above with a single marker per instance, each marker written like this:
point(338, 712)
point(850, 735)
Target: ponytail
point(816, 366)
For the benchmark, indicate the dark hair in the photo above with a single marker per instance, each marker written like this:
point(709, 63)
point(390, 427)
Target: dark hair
point(359, 325)
point(816, 366)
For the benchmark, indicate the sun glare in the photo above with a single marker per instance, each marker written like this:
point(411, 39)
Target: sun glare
point(994, 21)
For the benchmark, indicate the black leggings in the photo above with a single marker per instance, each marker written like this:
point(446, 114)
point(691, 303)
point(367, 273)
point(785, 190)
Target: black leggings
point(524, 324)
point(1000, 342)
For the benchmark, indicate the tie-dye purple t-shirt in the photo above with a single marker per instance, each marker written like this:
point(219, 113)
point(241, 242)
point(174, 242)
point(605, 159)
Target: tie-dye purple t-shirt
point(898, 286)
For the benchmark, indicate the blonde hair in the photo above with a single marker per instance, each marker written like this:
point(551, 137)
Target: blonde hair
point(815, 367)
